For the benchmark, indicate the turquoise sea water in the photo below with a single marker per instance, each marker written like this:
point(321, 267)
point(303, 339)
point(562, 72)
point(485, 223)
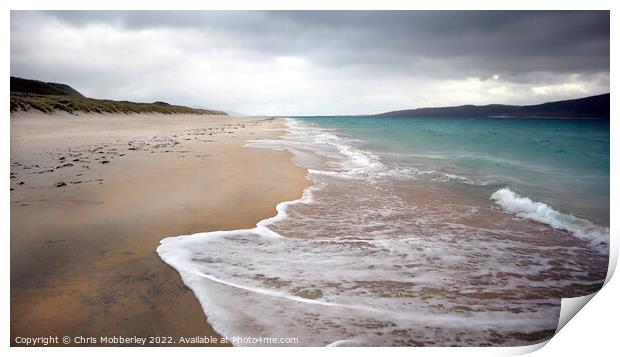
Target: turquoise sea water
point(564, 163)
point(414, 232)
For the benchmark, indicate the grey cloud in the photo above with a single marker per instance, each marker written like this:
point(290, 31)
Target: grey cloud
point(526, 48)
point(515, 41)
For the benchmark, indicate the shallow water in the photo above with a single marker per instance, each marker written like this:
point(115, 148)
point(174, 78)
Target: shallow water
point(408, 240)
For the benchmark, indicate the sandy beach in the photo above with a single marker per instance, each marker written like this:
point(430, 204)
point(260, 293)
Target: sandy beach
point(91, 197)
point(327, 178)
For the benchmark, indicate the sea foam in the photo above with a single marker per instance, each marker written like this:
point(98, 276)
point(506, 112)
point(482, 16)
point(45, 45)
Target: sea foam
point(353, 262)
point(524, 207)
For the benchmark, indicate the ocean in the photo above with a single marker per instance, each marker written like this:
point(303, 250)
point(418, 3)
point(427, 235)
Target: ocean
point(415, 232)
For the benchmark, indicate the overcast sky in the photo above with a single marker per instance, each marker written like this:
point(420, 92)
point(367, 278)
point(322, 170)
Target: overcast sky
point(305, 63)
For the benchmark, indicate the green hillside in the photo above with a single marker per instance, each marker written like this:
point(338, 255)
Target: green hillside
point(47, 97)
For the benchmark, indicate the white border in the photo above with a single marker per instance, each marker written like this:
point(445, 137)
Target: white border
point(591, 332)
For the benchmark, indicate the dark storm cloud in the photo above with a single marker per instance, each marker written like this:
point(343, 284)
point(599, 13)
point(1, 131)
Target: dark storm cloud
point(560, 53)
point(477, 42)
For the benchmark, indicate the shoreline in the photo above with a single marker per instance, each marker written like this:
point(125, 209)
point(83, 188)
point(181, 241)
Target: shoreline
point(260, 284)
point(235, 277)
point(83, 258)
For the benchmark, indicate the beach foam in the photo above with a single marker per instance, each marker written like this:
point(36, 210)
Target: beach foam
point(355, 262)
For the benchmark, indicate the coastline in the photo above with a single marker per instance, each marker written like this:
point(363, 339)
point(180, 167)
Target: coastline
point(83, 259)
point(386, 249)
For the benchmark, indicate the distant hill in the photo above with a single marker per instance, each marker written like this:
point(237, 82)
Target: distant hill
point(22, 85)
point(590, 107)
point(28, 94)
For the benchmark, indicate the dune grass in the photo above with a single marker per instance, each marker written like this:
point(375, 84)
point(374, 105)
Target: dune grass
point(72, 104)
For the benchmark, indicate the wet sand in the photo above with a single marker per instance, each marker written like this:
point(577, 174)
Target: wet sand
point(91, 197)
